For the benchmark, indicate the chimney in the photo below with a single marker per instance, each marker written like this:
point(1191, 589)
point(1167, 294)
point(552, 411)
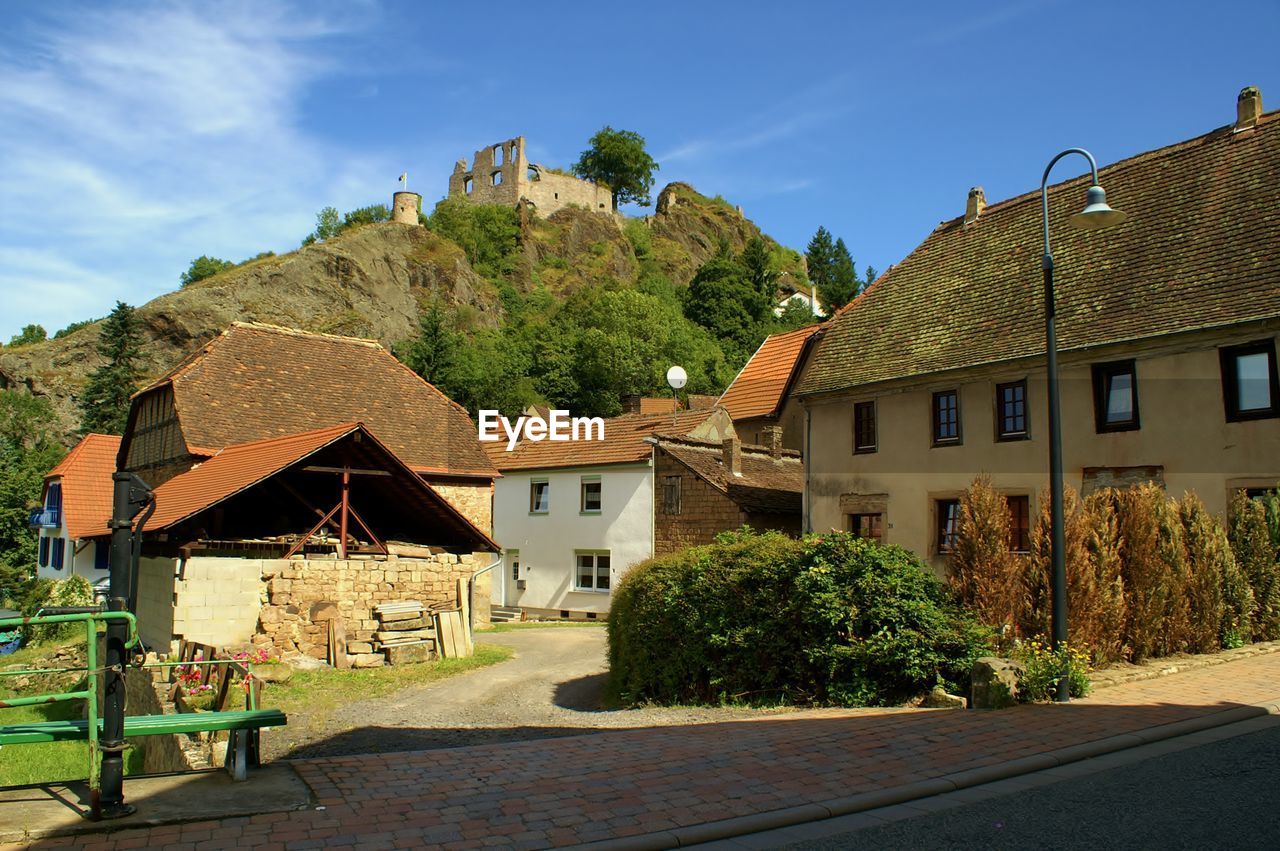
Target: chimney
point(813, 301)
point(1248, 107)
point(631, 403)
point(732, 448)
point(976, 204)
point(772, 435)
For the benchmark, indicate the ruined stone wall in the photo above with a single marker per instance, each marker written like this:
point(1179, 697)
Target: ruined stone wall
point(507, 160)
point(551, 192)
point(474, 502)
point(704, 511)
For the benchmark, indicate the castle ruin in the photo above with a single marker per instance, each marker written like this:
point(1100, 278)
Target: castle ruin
point(502, 174)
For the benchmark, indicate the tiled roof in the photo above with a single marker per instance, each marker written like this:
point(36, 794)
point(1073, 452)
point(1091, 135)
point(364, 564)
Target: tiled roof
point(767, 484)
point(1198, 251)
point(760, 388)
point(624, 442)
point(258, 381)
point(237, 468)
point(86, 485)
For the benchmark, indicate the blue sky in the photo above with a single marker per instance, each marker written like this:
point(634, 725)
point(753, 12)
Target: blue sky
point(134, 137)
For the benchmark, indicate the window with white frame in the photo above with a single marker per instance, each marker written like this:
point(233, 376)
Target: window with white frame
point(591, 495)
point(592, 572)
point(539, 496)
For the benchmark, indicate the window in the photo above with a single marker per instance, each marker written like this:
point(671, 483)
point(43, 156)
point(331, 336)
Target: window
point(590, 495)
point(57, 550)
point(1011, 410)
point(44, 551)
point(53, 506)
point(593, 572)
point(864, 427)
point(1019, 523)
point(670, 494)
point(1250, 387)
point(101, 555)
point(497, 155)
point(466, 185)
point(946, 417)
point(496, 178)
point(539, 497)
point(948, 516)
point(869, 526)
point(1115, 396)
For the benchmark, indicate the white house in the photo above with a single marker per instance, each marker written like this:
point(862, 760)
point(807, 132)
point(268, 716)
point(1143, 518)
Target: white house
point(573, 517)
point(76, 505)
point(807, 300)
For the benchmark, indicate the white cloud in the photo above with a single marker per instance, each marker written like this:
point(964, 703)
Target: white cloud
point(137, 137)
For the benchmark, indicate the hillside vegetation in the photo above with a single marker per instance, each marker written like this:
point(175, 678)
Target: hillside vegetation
point(498, 306)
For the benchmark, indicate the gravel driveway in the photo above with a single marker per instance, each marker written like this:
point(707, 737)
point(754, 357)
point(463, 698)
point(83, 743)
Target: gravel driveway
point(551, 687)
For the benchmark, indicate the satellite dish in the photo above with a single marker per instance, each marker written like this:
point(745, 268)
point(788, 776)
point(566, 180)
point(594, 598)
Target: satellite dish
point(677, 377)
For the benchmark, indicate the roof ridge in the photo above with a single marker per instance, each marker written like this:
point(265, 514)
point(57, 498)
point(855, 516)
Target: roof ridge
point(301, 332)
point(263, 441)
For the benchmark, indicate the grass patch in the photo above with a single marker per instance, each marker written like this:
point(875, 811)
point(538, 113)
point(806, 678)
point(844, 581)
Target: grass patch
point(52, 762)
point(517, 627)
point(317, 692)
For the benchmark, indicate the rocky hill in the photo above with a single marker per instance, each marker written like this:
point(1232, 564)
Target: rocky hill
point(374, 281)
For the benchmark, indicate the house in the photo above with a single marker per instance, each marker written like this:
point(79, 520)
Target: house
point(705, 487)
point(1167, 329)
point(807, 300)
point(573, 517)
point(759, 398)
point(75, 508)
point(254, 382)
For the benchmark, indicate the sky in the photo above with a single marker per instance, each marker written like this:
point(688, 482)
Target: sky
point(137, 136)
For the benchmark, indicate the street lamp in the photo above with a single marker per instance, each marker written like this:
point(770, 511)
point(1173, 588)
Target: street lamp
point(677, 378)
point(1095, 216)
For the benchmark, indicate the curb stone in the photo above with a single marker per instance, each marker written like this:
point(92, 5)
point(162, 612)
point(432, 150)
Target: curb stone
point(804, 813)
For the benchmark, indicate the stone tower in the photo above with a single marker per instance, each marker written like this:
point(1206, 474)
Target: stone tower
point(405, 206)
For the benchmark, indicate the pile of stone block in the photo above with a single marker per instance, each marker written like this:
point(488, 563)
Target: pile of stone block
point(405, 633)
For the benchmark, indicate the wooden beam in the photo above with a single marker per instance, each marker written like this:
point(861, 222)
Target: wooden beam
point(316, 468)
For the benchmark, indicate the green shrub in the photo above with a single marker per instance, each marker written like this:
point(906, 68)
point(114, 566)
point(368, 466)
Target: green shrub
point(1220, 599)
point(1155, 572)
point(831, 619)
point(637, 233)
point(1042, 667)
point(75, 590)
point(489, 234)
point(1256, 554)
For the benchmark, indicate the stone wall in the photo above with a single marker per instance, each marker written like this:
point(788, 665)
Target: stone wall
point(507, 163)
point(474, 502)
point(233, 602)
point(551, 192)
point(704, 511)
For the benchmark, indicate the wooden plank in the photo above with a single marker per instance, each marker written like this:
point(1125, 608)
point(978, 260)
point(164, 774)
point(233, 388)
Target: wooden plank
point(389, 635)
point(448, 650)
point(464, 607)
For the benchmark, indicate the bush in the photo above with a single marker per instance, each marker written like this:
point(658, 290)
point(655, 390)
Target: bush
point(203, 267)
point(752, 618)
point(1042, 667)
point(1095, 588)
point(75, 590)
point(1220, 601)
point(985, 575)
point(489, 234)
point(1255, 553)
point(637, 233)
point(1155, 572)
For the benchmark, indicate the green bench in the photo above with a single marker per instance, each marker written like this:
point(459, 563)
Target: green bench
point(241, 751)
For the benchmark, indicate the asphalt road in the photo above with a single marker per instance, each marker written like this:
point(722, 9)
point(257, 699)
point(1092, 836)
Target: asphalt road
point(1223, 795)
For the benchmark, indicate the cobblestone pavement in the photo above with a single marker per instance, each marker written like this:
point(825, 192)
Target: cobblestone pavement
point(612, 785)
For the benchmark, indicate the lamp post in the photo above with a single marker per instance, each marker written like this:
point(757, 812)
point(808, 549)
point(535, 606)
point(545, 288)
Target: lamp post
point(677, 378)
point(1095, 216)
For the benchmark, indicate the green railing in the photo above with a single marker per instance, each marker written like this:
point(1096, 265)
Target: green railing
point(90, 692)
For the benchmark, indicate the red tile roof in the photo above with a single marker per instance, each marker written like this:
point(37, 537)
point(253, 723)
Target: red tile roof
point(760, 388)
point(624, 442)
point(240, 467)
point(1197, 252)
point(254, 382)
point(86, 485)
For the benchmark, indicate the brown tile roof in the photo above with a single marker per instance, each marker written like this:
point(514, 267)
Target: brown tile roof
point(760, 388)
point(767, 484)
point(86, 485)
point(258, 381)
point(237, 468)
point(624, 442)
point(1198, 251)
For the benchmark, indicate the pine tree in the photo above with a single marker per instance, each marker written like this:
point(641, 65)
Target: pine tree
point(105, 404)
point(821, 258)
point(844, 279)
point(758, 261)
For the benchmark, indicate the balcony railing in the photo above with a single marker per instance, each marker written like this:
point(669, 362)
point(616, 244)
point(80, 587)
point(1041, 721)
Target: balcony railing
point(45, 518)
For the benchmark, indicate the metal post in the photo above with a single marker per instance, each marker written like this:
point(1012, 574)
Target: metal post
point(129, 496)
point(1056, 515)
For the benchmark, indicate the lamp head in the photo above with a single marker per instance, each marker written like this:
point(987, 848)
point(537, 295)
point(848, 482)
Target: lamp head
point(1097, 213)
point(677, 377)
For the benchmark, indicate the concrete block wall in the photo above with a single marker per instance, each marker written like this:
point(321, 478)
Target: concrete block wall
point(216, 600)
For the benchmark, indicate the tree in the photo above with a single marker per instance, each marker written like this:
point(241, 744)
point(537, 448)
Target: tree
point(820, 257)
point(105, 403)
point(722, 299)
point(28, 450)
point(844, 279)
point(762, 274)
point(870, 279)
point(29, 334)
point(366, 216)
point(432, 354)
point(204, 267)
point(617, 159)
point(328, 224)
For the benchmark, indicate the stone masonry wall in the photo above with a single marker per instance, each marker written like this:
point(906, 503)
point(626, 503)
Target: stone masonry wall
point(474, 502)
point(506, 161)
point(704, 511)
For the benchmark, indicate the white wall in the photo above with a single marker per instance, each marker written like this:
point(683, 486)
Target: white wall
point(80, 563)
point(547, 542)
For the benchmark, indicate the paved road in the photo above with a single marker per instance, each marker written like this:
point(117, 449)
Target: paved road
point(553, 686)
point(1221, 795)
